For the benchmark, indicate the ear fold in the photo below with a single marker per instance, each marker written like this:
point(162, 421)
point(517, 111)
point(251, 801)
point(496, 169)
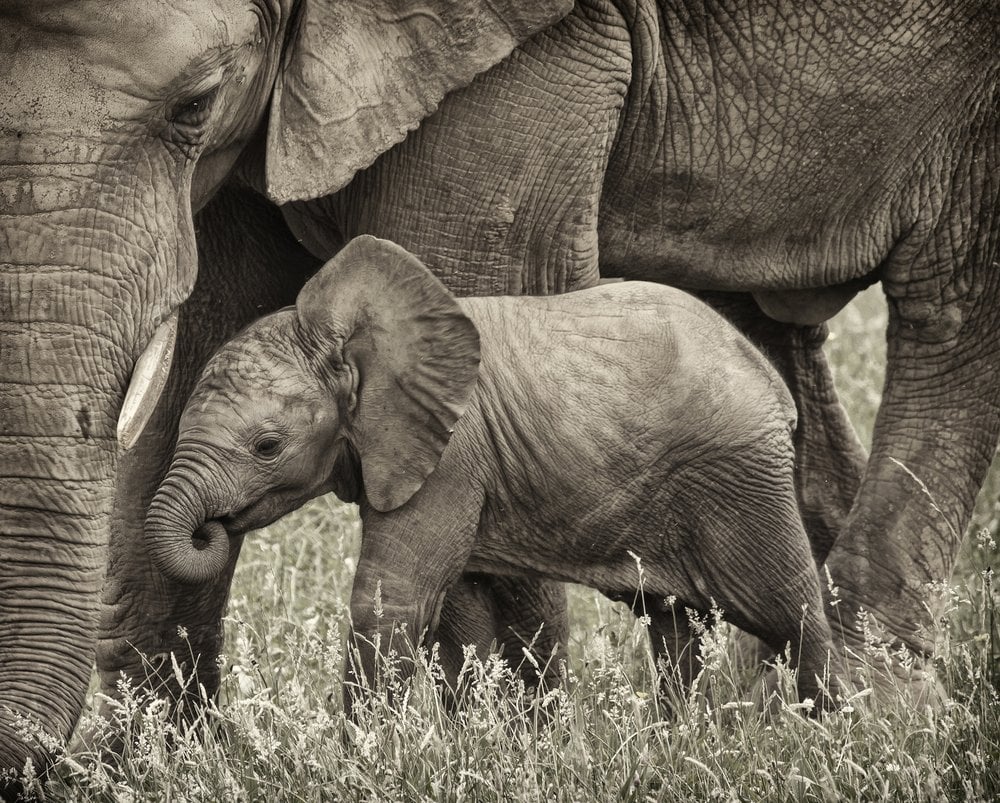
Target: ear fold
point(375, 307)
point(359, 74)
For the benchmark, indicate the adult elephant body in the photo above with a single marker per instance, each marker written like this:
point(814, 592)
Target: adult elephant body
point(793, 153)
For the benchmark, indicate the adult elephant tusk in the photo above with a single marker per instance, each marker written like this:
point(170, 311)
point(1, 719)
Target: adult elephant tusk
point(148, 380)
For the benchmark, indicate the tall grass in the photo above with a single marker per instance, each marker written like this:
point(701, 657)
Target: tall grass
point(278, 731)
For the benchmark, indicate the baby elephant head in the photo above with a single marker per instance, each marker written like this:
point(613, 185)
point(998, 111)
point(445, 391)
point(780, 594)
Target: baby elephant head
point(355, 389)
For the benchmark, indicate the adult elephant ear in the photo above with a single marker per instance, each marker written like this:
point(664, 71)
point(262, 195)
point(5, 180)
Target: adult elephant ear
point(375, 308)
point(359, 74)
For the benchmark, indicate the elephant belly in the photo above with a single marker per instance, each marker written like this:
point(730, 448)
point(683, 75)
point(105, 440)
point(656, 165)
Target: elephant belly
point(620, 543)
point(750, 159)
point(807, 279)
point(628, 569)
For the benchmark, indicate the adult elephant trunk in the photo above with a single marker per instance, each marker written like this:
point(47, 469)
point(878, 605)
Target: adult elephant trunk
point(62, 380)
point(183, 539)
point(72, 325)
point(57, 455)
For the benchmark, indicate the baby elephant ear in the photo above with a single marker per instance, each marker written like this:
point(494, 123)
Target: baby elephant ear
point(376, 307)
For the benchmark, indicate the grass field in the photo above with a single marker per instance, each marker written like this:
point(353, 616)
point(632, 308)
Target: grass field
point(278, 731)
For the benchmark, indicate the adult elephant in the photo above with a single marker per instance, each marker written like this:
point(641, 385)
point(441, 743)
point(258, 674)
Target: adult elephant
point(793, 152)
point(116, 122)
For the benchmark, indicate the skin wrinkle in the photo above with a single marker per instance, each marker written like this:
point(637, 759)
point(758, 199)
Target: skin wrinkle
point(99, 223)
point(73, 329)
point(49, 509)
point(740, 177)
point(51, 494)
point(70, 482)
point(66, 578)
point(523, 176)
point(82, 576)
point(106, 230)
point(179, 511)
point(39, 463)
point(35, 362)
point(185, 37)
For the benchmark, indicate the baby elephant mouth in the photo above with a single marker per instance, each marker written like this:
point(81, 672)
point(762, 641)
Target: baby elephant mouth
point(249, 518)
point(260, 513)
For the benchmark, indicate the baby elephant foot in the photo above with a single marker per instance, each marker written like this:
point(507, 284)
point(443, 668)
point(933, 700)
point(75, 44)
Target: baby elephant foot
point(780, 688)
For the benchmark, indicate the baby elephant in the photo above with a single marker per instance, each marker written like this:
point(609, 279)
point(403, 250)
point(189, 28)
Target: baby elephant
point(560, 436)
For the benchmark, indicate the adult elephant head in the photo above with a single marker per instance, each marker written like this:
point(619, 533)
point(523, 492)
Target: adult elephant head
point(116, 122)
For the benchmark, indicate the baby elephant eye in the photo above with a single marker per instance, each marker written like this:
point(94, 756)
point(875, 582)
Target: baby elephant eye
point(268, 446)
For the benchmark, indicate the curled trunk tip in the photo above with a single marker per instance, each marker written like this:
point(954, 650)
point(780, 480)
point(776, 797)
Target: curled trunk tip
point(191, 558)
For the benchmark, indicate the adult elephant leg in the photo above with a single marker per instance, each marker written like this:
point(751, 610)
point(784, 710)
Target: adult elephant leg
point(935, 434)
point(249, 266)
point(829, 458)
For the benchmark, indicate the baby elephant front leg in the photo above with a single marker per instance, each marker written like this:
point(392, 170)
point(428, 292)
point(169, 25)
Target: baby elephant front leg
point(388, 619)
point(409, 559)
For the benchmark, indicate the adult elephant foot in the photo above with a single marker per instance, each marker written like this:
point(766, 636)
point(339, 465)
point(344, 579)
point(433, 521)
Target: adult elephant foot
point(893, 674)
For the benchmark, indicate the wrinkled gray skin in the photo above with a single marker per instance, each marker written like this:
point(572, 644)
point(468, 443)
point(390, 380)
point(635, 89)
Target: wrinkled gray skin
point(792, 154)
point(677, 452)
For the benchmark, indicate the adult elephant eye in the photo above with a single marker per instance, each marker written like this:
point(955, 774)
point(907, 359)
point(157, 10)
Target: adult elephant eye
point(188, 123)
point(194, 113)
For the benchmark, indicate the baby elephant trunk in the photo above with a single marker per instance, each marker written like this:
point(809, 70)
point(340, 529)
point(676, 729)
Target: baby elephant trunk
point(183, 542)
